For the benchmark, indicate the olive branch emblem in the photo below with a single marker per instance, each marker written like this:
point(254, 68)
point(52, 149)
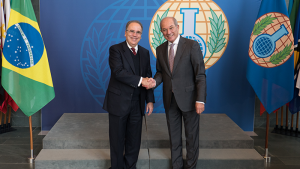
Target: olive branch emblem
point(158, 38)
point(97, 55)
point(259, 26)
point(216, 40)
point(280, 56)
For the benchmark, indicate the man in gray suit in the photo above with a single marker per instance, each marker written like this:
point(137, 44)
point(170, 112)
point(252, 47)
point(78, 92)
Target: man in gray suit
point(180, 67)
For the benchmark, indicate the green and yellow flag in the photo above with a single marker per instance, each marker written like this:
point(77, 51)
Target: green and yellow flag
point(294, 12)
point(26, 74)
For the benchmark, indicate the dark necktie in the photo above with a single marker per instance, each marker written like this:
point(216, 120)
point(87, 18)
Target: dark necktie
point(171, 57)
point(133, 51)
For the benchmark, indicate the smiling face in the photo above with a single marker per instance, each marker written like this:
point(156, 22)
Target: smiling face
point(133, 34)
point(169, 29)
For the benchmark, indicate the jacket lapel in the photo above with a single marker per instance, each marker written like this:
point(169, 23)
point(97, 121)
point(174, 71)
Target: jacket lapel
point(128, 57)
point(166, 57)
point(141, 54)
point(180, 49)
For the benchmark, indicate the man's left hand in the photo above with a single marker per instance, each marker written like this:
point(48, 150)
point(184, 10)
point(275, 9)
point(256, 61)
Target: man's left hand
point(199, 108)
point(149, 108)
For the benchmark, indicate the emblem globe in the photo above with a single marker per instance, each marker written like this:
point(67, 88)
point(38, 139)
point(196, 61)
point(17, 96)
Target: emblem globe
point(107, 29)
point(275, 38)
point(208, 19)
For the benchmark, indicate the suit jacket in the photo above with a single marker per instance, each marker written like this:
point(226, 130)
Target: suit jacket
point(188, 79)
point(124, 79)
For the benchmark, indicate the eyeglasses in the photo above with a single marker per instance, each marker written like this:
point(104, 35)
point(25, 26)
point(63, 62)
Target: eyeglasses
point(133, 32)
point(165, 30)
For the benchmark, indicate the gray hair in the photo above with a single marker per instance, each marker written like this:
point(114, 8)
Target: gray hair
point(134, 21)
point(174, 20)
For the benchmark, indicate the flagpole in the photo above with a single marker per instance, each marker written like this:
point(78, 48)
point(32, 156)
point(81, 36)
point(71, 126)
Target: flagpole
point(0, 122)
point(297, 124)
point(287, 120)
point(281, 125)
point(4, 123)
point(276, 127)
point(9, 116)
point(31, 141)
point(292, 125)
point(276, 119)
point(266, 157)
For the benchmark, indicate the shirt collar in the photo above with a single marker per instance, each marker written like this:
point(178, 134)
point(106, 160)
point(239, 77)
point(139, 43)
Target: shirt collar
point(175, 42)
point(136, 47)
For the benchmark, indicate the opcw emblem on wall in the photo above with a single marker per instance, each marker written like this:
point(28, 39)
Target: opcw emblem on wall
point(200, 20)
point(271, 42)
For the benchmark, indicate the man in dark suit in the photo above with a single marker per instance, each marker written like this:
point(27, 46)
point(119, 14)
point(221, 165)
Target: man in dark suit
point(125, 97)
point(181, 68)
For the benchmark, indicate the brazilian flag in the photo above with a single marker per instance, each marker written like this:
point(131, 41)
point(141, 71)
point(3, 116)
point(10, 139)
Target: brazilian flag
point(26, 74)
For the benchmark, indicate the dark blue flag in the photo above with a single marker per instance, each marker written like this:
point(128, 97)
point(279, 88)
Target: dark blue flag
point(270, 69)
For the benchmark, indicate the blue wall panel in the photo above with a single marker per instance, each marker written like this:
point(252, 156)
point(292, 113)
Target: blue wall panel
point(77, 35)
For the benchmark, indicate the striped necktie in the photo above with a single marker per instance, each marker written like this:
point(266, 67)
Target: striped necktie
point(133, 51)
point(171, 57)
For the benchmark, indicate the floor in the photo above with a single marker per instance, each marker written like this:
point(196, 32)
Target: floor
point(283, 150)
point(15, 148)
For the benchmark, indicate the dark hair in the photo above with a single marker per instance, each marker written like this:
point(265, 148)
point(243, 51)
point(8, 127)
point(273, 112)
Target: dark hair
point(174, 20)
point(134, 21)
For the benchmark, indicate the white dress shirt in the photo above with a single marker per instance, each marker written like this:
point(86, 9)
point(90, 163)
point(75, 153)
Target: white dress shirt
point(175, 45)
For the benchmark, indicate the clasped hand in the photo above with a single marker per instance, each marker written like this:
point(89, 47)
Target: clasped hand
point(148, 83)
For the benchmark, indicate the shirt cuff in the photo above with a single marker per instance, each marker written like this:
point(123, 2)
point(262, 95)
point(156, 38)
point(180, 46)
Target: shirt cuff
point(140, 82)
point(200, 102)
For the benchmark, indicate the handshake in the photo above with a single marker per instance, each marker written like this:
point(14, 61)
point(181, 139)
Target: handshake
point(148, 83)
